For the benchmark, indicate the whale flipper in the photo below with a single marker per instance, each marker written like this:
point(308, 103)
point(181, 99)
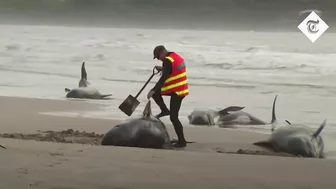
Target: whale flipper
point(318, 131)
point(230, 109)
point(264, 143)
point(289, 123)
point(2, 147)
point(268, 145)
point(67, 90)
point(104, 96)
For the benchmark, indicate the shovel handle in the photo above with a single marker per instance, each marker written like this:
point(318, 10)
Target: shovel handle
point(150, 78)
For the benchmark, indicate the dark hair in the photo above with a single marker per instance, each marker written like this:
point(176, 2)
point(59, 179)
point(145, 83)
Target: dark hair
point(157, 50)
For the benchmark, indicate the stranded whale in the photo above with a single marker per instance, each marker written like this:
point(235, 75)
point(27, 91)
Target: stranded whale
point(207, 117)
point(295, 139)
point(227, 117)
point(84, 90)
point(144, 132)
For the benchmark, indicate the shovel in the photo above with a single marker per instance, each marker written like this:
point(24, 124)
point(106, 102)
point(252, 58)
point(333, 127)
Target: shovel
point(131, 103)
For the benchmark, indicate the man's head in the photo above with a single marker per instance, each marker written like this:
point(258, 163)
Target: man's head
point(160, 52)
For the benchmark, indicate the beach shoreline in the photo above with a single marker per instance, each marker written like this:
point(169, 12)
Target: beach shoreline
point(37, 164)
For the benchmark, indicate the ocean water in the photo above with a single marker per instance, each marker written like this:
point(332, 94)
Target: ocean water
point(244, 68)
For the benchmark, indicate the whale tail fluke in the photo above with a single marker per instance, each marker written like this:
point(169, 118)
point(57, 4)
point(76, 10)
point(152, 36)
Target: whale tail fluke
point(83, 82)
point(319, 130)
point(230, 109)
point(266, 143)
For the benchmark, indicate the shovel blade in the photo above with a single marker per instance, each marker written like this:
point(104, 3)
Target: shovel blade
point(129, 105)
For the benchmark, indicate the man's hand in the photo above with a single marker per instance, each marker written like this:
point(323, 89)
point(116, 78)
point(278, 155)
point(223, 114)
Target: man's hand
point(158, 68)
point(150, 94)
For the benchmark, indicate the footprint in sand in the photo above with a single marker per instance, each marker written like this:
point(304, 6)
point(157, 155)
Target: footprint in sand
point(56, 154)
point(22, 170)
point(35, 184)
point(59, 160)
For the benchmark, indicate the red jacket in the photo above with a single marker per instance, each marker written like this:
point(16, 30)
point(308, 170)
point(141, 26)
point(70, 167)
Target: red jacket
point(177, 80)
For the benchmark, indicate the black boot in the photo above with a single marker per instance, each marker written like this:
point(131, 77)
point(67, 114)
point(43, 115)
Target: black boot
point(179, 144)
point(162, 114)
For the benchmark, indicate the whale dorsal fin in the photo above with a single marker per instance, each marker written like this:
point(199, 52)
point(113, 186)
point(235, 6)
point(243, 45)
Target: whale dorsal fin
point(230, 109)
point(148, 110)
point(318, 131)
point(83, 72)
point(274, 119)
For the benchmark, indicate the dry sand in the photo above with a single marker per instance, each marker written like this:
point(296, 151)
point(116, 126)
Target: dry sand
point(206, 163)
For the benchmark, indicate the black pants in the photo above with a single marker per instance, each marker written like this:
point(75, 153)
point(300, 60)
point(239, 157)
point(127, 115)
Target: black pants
point(175, 105)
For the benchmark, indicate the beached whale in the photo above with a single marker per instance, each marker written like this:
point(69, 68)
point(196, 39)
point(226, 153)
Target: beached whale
point(84, 89)
point(207, 117)
point(144, 132)
point(228, 117)
point(296, 139)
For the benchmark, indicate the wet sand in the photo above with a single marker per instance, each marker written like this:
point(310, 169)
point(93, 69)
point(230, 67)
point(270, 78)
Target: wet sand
point(45, 151)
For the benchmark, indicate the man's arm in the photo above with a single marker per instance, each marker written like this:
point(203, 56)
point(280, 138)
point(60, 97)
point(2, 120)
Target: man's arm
point(166, 70)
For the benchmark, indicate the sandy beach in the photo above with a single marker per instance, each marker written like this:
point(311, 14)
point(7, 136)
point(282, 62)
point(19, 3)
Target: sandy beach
point(237, 54)
point(212, 161)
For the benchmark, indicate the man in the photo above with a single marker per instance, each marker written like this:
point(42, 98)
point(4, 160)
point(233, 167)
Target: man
point(173, 83)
